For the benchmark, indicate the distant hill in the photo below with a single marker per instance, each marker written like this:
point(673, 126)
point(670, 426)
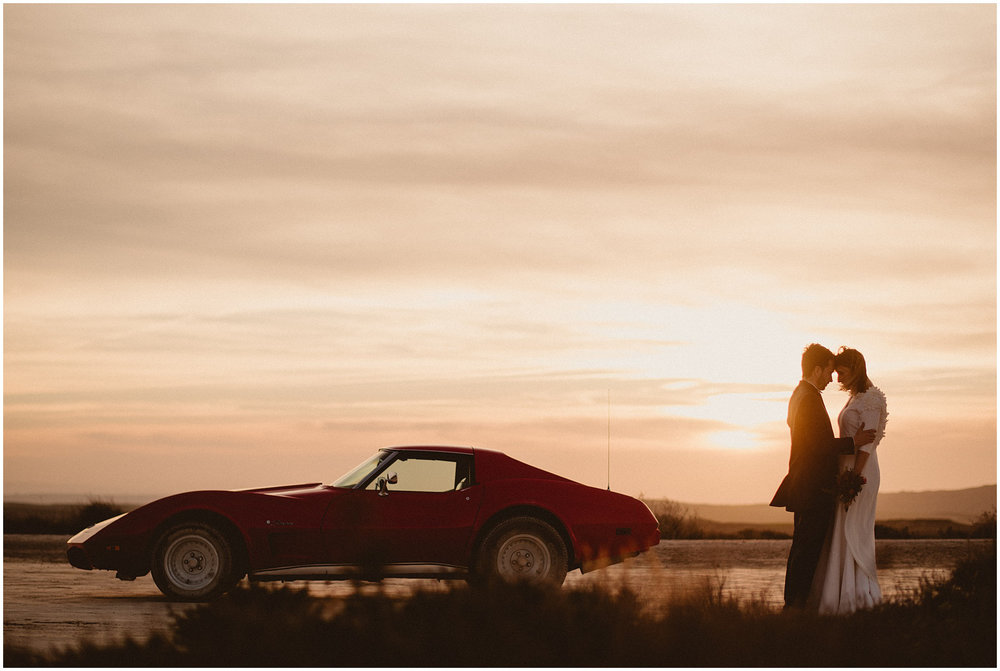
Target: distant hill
point(960, 505)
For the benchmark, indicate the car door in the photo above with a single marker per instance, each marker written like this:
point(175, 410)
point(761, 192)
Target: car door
point(421, 509)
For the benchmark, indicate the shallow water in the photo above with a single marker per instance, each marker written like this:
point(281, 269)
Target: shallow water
point(48, 604)
point(755, 569)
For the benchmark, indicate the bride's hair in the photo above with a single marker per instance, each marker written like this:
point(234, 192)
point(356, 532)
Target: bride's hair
point(853, 360)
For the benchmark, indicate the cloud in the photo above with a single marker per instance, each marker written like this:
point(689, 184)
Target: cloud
point(367, 140)
point(449, 214)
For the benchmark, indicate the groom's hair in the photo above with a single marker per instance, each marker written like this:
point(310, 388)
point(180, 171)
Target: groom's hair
point(815, 355)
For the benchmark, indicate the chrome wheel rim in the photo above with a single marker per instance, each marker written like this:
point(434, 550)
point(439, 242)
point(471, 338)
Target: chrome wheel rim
point(191, 562)
point(523, 557)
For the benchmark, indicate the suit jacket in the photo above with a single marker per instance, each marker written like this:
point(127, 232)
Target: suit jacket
point(812, 466)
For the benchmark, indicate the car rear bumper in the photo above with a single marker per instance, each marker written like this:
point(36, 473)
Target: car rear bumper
point(602, 545)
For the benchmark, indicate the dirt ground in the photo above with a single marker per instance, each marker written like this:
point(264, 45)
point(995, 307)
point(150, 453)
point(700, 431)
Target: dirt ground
point(49, 605)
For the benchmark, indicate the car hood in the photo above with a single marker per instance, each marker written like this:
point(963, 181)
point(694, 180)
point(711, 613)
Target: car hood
point(240, 505)
point(287, 491)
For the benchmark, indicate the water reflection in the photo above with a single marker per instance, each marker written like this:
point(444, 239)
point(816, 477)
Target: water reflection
point(748, 570)
point(754, 570)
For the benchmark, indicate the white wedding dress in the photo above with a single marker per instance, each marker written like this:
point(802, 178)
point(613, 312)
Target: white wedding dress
point(845, 578)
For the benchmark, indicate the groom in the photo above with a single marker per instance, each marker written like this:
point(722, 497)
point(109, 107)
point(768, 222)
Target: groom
point(807, 490)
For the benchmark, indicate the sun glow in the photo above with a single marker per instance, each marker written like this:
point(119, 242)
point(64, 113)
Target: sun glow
point(732, 440)
point(740, 410)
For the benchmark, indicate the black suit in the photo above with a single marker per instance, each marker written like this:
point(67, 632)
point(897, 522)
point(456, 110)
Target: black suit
point(807, 490)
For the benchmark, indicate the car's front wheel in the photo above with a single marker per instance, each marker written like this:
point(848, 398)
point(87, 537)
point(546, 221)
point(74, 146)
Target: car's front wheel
point(194, 562)
point(523, 550)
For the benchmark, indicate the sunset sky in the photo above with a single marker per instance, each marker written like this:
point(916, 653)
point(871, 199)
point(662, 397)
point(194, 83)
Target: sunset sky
point(247, 245)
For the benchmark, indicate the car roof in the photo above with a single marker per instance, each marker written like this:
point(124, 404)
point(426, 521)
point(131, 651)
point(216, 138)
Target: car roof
point(457, 449)
point(490, 464)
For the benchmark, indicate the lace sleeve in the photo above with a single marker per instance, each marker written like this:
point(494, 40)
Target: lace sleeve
point(871, 407)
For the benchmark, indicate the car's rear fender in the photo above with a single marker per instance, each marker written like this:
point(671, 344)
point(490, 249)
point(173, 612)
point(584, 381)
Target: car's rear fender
point(526, 510)
point(598, 526)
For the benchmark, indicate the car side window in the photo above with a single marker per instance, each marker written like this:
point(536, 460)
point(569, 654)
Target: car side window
point(428, 473)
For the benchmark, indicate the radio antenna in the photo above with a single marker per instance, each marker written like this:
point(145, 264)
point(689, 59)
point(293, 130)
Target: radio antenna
point(609, 440)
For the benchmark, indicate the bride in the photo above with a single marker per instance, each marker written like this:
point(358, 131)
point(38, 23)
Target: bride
point(845, 578)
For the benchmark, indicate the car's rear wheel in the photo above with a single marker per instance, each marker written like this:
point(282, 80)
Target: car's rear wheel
point(194, 561)
point(523, 550)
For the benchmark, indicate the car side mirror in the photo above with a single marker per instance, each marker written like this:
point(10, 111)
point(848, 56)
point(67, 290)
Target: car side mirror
point(383, 484)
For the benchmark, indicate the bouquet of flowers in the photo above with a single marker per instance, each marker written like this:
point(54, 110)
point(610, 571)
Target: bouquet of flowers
point(849, 484)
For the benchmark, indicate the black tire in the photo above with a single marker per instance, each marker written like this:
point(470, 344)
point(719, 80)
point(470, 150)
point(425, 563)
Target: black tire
point(523, 550)
point(194, 561)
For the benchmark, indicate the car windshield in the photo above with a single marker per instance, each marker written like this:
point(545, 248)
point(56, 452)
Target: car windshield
point(357, 475)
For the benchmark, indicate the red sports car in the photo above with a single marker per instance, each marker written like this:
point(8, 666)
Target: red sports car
point(405, 512)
